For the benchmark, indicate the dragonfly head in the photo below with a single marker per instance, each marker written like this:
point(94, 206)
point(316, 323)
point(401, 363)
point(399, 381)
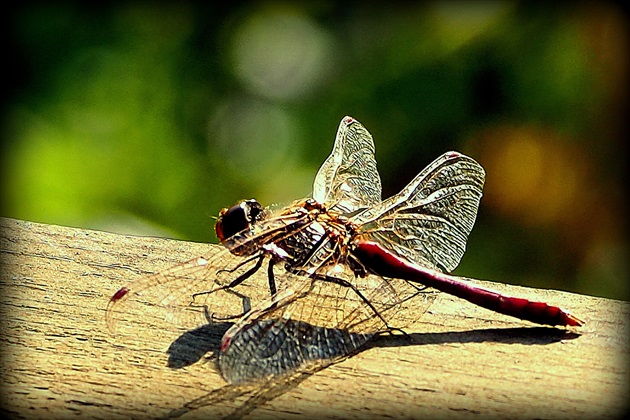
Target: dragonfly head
point(237, 218)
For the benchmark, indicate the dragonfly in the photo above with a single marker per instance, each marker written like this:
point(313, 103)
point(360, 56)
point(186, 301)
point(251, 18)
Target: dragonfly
point(317, 279)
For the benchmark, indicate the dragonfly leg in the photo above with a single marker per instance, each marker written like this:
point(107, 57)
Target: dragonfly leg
point(417, 287)
point(400, 330)
point(270, 277)
point(240, 279)
point(239, 265)
point(247, 306)
point(365, 300)
point(228, 288)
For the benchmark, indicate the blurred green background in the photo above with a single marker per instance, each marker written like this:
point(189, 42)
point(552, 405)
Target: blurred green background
point(147, 118)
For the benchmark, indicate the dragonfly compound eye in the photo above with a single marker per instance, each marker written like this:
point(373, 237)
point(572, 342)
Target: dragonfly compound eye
point(237, 218)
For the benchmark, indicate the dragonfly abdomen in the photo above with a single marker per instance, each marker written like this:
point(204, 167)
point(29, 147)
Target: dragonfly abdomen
point(382, 262)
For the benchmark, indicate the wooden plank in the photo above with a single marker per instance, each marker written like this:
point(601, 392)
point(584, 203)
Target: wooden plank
point(461, 361)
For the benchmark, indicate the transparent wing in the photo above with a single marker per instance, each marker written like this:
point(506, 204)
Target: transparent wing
point(189, 294)
point(348, 179)
point(428, 222)
point(318, 321)
point(186, 295)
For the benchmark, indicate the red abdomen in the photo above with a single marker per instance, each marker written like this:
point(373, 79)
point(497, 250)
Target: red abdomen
point(384, 263)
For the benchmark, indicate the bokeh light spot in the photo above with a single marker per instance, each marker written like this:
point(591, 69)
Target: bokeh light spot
point(532, 175)
point(252, 136)
point(279, 53)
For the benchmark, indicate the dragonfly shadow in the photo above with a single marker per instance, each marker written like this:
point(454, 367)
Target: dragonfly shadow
point(193, 345)
point(520, 335)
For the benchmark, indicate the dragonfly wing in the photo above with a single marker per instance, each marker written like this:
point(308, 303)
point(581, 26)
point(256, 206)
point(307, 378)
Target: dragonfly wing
point(191, 294)
point(317, 321)
point(348, 179)
point(428, 222)
point(188, 294)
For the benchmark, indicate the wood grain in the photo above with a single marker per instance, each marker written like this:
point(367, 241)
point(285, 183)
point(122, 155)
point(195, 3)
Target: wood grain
point(459, 361)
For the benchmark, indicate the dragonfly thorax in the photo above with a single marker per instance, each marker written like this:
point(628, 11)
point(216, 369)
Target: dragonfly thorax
point(304, 236)
point(322, 241)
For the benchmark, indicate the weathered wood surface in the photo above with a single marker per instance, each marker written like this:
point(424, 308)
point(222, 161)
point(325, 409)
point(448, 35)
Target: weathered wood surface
point(59, 359)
